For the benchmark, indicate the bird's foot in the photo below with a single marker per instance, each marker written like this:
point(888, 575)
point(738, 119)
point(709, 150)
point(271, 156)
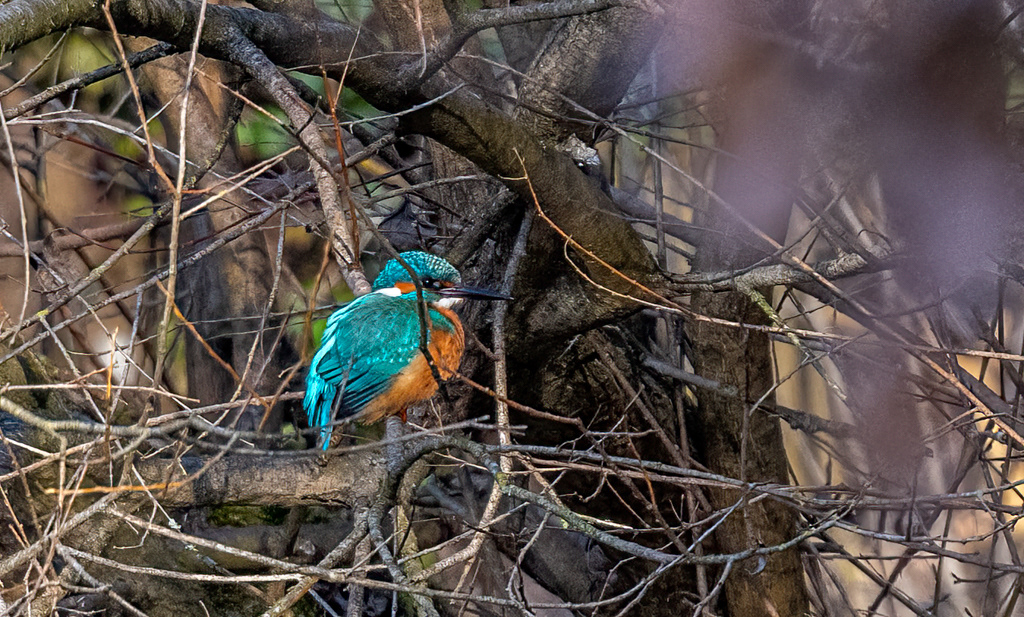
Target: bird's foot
point(322, 458)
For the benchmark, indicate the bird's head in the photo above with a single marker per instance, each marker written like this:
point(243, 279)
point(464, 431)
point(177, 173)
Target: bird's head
point(441, 282)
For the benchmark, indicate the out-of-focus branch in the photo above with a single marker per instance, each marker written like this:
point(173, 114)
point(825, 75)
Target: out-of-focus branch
point(638, 208)
point(68, 239)
point(137, 59)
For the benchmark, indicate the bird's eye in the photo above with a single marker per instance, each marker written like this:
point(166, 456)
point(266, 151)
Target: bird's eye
point(429, 283)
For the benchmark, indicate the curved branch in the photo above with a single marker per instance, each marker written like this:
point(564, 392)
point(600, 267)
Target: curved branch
point(466, 25)
point(23, 21)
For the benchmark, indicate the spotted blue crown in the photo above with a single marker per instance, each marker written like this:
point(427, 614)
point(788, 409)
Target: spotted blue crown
point(425, 265)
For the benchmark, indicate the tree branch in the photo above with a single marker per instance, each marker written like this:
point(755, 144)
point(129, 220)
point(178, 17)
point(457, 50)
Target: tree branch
point(850, 264)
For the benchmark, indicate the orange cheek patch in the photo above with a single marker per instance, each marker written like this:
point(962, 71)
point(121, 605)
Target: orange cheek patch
point(405, 287)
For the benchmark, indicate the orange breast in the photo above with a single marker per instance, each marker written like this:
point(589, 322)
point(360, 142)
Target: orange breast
point(416, 381)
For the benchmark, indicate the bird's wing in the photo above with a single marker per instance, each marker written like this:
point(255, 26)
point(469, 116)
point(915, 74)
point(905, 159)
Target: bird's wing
point(365, 344)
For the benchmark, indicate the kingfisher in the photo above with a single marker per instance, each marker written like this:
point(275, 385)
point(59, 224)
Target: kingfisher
point(369, 364)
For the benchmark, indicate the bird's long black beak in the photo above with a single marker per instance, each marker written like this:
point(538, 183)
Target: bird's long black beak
point(473, 293)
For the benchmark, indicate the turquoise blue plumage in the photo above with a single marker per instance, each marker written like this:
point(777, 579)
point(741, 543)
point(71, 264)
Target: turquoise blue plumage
point(370, 340)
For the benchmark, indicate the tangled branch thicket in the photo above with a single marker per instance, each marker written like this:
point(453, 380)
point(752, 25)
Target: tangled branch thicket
point(763, 358)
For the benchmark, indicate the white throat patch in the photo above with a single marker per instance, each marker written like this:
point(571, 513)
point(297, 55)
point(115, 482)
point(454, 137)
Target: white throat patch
point(392, 292)
point(449, 302)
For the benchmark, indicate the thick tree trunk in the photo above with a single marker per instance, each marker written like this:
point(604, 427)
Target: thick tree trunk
point(739, 442)
point(761, 128)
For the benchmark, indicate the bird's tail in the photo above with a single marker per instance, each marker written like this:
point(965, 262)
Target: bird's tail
point(319, 406)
